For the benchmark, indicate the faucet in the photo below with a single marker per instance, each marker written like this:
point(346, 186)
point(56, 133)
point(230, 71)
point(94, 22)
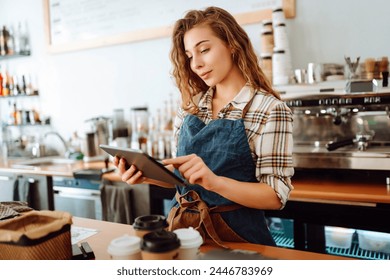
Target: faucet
point(67, 151)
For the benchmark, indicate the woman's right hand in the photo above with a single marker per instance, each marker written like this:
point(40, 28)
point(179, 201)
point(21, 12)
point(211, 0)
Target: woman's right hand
point(130, 175)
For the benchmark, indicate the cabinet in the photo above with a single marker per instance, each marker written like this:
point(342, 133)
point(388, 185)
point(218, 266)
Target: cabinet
point(80, 197)
point(36, 190)
point(310, 211)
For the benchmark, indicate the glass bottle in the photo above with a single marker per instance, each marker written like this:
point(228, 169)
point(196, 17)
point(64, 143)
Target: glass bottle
point(118, 124)
point(1, 82)
point(141, 128)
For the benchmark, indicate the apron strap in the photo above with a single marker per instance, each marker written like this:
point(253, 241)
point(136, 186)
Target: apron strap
point(225, 208)
point(198, 205)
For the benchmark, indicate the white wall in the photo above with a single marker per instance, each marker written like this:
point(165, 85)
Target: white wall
point(326, 30)
point(75, 86)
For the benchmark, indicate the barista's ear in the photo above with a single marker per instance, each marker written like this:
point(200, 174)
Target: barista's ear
point(232, 51)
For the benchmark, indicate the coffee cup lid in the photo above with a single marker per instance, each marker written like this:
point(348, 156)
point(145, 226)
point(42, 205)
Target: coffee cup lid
point(150, 222)
point(160, 241)
point(189, 237)
point(124, 245)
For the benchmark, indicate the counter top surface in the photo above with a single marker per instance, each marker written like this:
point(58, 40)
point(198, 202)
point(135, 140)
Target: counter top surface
point(108, 231)
point(60, 169)
point(306, 188)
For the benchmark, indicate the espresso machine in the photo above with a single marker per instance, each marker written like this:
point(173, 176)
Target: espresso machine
point(341, 130)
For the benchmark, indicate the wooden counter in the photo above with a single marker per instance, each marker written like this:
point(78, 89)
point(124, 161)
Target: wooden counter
point(63, 169)
point(108, 231)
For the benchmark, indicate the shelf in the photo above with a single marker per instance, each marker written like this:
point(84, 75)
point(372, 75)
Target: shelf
point(18, 96)
point(26, 125)
point(23, 54)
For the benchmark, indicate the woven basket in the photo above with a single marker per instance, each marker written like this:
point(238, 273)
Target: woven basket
point(36, 235)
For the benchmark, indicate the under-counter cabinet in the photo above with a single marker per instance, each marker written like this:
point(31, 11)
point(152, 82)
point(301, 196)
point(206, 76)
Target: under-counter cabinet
point(8, 182)
point(350, 199)
point(79, 197)
point(36, 190)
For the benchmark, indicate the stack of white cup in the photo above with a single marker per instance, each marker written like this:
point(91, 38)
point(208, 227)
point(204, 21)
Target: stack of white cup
point(281, 58)
point(267, 46)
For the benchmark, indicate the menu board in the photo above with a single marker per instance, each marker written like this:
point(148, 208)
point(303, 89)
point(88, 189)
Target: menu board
point(78, 24)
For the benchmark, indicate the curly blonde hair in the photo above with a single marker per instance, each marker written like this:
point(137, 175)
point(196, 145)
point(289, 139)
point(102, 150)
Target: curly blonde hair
point(226, 28)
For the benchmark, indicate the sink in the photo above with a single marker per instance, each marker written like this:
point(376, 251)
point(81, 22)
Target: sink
point(43, 162)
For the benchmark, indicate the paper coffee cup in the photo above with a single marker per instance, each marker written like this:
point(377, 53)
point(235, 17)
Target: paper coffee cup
point(190, 240)
point(160, 245)
point(148, 223)
point(125, 247)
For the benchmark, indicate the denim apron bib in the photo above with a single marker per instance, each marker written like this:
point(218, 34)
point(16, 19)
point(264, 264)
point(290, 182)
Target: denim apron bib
point(223, 146)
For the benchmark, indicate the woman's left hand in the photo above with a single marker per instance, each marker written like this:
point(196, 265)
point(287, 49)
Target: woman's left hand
point(194, 170)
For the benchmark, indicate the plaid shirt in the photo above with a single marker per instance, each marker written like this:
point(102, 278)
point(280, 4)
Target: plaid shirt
point(268, 124)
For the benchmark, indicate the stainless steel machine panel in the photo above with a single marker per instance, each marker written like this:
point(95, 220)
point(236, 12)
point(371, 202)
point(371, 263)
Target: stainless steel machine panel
point(347, 131)
point(79, 197)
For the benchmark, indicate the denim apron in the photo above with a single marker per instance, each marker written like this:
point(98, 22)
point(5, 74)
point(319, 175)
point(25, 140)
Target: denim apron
point(223, 146)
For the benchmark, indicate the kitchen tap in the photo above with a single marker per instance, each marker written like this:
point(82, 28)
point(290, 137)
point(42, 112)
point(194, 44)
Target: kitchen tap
point(67, 150)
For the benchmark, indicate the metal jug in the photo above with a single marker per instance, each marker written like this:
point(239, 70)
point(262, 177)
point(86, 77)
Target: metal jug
point(98, 132)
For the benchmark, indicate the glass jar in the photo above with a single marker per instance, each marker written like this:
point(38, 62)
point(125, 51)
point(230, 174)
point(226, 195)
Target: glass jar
point(140, 128)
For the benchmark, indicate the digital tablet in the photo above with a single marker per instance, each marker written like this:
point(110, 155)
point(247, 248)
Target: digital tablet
point(149, 166)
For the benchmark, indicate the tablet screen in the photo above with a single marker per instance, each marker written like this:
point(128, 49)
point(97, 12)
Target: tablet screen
point(149, 166)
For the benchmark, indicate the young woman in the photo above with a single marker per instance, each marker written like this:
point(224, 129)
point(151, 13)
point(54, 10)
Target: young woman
point(233, 134)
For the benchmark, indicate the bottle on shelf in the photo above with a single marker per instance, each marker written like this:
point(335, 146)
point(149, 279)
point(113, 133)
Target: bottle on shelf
point(154, 143)
point(7, 41)
point(17, 84)
point(14, 41)
point(11, 85)
point(1, 82)
point(5, 84)
point(14, 114)
point(24, 40)
point(10, 41)
point(3, 41)
point(141, 128)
